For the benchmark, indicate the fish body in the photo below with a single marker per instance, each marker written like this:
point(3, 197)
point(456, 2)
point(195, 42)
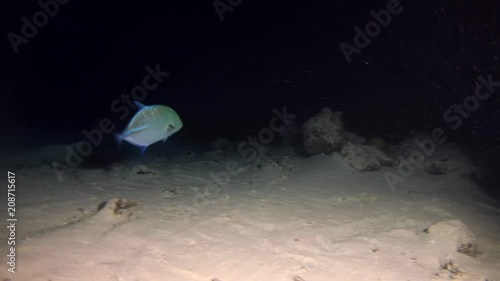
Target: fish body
point(149, 125)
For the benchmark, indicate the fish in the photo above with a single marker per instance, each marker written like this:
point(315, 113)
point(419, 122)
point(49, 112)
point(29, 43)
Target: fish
point(149, 125)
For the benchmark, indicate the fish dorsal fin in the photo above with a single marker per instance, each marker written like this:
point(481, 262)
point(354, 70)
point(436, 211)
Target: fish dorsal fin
point(139, 105)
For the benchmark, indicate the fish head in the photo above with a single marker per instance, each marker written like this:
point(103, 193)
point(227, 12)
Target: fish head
point(175, 123)
point(172, 123)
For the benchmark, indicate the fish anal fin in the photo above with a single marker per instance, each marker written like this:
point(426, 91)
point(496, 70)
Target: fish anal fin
point(143, 149)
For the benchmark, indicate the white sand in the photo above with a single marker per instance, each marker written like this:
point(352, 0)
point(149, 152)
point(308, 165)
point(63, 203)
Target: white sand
point(302, 219)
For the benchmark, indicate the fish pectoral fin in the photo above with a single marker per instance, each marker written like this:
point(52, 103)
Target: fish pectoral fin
point(134, 131)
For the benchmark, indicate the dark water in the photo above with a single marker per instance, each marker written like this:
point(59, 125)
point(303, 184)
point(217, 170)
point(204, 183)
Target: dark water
point(225, 77)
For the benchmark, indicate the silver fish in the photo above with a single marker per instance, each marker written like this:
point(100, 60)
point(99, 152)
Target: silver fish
point(149, 125)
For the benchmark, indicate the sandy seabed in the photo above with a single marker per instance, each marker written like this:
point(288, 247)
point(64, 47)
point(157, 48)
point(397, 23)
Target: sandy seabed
point(287, 218)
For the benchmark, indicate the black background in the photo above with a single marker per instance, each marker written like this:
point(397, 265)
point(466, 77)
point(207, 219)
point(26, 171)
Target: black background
point(226, 77)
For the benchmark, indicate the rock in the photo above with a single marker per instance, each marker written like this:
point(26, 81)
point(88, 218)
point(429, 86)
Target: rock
point(324, 133)
point(451, 270)
point(423, 153)
point(187, 155)
point(115, 210)
point(222, 144)
point(380, 155)
point(378, 143)
point(352, 137)
point(217, 155)
point(115, 167)
point(365, 157)
point(436, 167)
point(455, 233)
point(95, 224)
point(410, 147)
point(360, 158)
point(142, 170)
